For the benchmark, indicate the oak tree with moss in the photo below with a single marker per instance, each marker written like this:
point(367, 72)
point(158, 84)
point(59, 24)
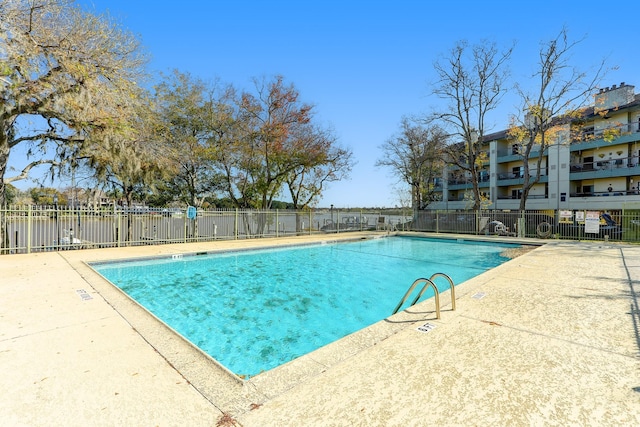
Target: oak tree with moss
point(66, 77)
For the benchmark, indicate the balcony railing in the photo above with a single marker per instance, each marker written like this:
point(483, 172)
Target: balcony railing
point(511, 175)
point(519, 196)
point(615, 193)
point(516, 149)
point(482, 177)
point(611, 164)
point(589, 133)
point(517, 175)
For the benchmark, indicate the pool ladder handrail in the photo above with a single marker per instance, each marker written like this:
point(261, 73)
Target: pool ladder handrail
point(427, 283)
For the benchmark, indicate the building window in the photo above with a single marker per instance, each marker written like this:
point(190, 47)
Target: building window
point(518, 171)
point(588, 133)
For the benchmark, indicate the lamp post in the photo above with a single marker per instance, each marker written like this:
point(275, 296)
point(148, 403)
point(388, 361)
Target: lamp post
point(331, 210)
point(55, 204)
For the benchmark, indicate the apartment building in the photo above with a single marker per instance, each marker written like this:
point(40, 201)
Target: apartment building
point(593, 165)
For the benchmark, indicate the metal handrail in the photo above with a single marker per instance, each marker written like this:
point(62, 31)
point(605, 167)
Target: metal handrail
point(451, 286)
point(427, 284)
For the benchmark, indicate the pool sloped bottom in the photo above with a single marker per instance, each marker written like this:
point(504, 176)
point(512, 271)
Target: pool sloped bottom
point(255, 310)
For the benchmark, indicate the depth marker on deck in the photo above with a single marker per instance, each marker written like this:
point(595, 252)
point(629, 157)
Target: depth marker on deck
point(84, 295)
point(427, 327)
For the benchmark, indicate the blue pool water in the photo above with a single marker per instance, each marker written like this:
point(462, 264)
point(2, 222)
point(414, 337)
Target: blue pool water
point(255, 310)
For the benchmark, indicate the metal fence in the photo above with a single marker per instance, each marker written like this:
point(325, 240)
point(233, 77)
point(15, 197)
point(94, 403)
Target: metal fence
point(48, 228)
point(613, 225)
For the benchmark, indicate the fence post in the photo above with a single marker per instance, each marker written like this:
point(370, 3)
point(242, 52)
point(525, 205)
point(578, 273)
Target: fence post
point(277, 224)
point(184, 228)
point(522, 224)
point(118, 225)
point(476, 213)
point(235, 226)
point(29, 225)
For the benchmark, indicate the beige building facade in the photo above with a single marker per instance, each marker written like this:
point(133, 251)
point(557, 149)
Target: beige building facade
point(592, 165)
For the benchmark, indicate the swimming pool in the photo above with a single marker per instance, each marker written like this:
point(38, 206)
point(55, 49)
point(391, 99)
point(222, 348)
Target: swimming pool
point(254, 310)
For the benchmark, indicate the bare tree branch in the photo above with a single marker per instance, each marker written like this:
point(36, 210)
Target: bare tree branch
point(472, 80)
point(561, 92)
point(24, 174)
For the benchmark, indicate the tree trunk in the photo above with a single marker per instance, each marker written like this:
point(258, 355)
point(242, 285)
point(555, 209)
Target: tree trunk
point(300, 216)
point(4, 160)
point(129, 198)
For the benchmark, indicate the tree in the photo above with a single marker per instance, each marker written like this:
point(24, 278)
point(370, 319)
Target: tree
point(325, 162)
point(472, 80)
point(70, 73)
point(415, 157)
point(46, 196)
point(12, 194)
point(270, 151)
point(128, 160)
point(558, 96)
point(194, 116)
point(268, 142)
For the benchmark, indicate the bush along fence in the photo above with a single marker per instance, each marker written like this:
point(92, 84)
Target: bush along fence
point(27, 229)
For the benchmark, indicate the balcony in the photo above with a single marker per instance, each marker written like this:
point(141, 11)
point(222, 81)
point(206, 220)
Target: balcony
point(619, 133)
point(511, 154)
point(512, 178)
point(605, 194)
point(459, 182)
point(623, 166)
point(503, 176)
point(519, 196)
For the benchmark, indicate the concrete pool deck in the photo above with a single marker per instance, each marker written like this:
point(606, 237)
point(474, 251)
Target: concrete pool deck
point(549, 338)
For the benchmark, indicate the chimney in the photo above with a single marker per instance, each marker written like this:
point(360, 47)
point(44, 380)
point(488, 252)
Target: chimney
point(614, 97)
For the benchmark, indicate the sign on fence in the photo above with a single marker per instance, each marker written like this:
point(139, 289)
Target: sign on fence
point(566, 216)
point(192, 212)
point(592, 223)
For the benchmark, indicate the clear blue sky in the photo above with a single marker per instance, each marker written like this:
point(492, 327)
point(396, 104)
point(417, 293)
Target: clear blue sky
point(365, 64)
